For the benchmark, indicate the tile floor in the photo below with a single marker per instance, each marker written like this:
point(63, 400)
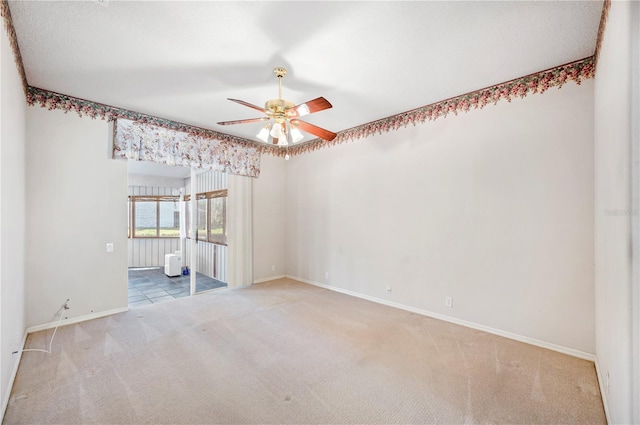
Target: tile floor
point(150, 285)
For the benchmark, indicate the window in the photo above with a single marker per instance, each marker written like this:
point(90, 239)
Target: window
point(217, 220)
point(154, 216)
point(187, 215)
point(211, 215)
point(202, 218)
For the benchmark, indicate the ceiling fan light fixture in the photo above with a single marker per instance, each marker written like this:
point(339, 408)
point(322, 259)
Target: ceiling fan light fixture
point(264, 133)
point(296, 135)
point(303, 110)
point(277, 132)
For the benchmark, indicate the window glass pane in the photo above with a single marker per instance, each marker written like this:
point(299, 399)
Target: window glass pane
point(218, 233)
point(187, 213)
point(169, 219)
point(145, 219)
point(202, 219)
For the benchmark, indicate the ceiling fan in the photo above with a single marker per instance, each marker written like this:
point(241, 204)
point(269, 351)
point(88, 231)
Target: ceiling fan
point(284, 124)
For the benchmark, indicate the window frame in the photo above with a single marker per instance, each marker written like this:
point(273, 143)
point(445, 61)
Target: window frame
point(149, 198)
point(209, 196)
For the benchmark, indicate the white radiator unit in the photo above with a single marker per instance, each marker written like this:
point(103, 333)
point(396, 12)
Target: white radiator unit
point(172, 265)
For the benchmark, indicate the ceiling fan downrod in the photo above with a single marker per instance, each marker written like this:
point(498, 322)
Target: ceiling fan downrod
point(280, 72)
point(277, 108)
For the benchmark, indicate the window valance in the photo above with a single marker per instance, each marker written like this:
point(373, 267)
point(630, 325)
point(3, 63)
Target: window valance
point(145, 142)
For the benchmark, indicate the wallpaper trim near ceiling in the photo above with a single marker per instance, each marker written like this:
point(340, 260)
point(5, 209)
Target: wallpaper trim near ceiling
point(603, 24)
point(86, 108)
point(13, 41)
point(517, 88)
point(521, 87)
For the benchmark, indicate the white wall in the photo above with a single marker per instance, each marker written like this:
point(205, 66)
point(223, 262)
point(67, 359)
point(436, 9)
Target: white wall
point(614, 212)
point(76, 204)
point(155, 181)
point(493, 208)
point(239, 231)
point(150, 252)
point(12, 210)
point(269, 219)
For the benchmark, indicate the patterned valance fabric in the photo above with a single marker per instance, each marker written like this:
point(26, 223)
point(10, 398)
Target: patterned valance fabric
point(145, 142)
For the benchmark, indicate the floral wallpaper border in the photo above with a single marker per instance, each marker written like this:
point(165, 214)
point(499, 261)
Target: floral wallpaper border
point(13, 41)
point(519, 88)
point(601, 28)
point(86, 108)
point(139, 141)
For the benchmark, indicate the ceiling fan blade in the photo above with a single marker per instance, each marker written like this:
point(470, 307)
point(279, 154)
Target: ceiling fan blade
point(244, 121)
point(242, 102)
point(315, 130)
point(315, 105)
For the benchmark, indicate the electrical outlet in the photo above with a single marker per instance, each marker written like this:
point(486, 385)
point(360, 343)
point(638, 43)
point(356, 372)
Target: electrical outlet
point(448, 301)
point(607, 382)
point(109, 247)
point(388, 289)
point(273, 267)
point(326, 275)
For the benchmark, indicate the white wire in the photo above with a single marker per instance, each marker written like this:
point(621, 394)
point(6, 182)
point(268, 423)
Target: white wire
point(52, 336)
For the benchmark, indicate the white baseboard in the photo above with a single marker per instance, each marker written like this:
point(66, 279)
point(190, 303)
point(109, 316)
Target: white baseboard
point(603, 388)
point(267, 279)
point(78, 319)
point(554, 347)
point(14, 372)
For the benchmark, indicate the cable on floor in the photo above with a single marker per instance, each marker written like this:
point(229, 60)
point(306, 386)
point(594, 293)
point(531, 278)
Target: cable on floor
point(64, 308)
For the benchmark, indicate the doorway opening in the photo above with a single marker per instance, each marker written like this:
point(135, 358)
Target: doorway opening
point(160, 244)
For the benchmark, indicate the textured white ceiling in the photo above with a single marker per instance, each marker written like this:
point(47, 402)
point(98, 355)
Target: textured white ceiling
point(180, 60)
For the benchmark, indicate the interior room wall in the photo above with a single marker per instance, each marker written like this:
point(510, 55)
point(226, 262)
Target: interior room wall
point(155, 181)
point(269, 219)
point(76, 204)
point(615, 212)
point(493, 208)
point(12, 211)
point(239, 224)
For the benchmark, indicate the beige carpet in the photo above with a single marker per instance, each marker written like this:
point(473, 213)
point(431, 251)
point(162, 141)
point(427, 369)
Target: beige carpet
point(286, 352)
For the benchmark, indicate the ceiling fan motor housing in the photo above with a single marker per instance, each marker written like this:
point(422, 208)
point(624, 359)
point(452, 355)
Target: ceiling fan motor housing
point(278, 107)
